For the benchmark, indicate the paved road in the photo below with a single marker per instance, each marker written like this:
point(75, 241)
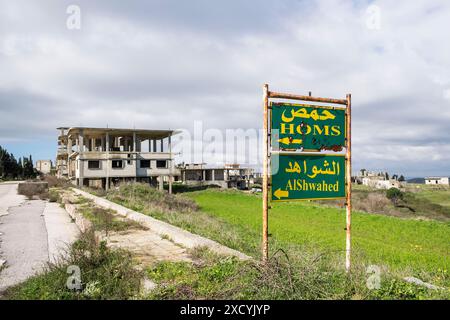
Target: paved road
point(31, 233)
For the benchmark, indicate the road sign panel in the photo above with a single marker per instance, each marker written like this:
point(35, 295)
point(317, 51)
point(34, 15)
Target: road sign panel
point(297, 126)
point(307, 176)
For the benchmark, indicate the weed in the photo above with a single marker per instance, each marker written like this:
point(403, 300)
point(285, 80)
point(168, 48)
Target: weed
point(105, 274)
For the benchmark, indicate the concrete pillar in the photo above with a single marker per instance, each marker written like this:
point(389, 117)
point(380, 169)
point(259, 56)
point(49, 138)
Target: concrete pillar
point(81, 141)
point(80, 157)
point(134, 142)
point(107, 161)
point(69, 146)
point(107, 142)
point(170, 164)
point(203, 174)
point(161, 183)
point(213, 175)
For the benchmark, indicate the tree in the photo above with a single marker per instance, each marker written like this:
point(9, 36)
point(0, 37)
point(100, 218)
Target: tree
point(28, 168)
point(395, 195)
point(10, 168)
point(401, 178)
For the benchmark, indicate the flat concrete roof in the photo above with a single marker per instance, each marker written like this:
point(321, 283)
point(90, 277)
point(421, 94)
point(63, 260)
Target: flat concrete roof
point(433, 178)
point(142, 133)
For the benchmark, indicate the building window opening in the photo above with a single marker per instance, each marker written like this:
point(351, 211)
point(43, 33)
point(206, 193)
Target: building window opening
point(93, 164)
point(117, 164)
point(145, 163)
point(161, 163)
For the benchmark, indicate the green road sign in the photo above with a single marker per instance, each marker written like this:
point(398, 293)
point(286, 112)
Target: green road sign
point(296, 126)
point(307, 176)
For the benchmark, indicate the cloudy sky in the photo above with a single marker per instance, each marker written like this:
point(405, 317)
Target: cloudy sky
point(166, 64)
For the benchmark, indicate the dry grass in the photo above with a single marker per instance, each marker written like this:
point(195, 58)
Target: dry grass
point(33, 190)
point(375, 202)
point(142, 197)
point(56, 182)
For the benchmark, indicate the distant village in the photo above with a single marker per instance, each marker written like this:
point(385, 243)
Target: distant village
point(382, 180)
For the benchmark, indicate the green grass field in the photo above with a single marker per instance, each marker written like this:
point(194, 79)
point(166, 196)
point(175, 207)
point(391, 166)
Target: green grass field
point(312, 238)
point(436, 194)
point(394, 242)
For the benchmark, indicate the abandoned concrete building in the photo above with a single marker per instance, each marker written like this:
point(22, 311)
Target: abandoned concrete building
point(100, 157)
point(378, 180)
point(437, 180)
point(227, 176)
point(44, 166)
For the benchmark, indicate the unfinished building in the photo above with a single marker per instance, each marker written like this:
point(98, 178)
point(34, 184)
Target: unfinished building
point(101, 157)
point(44, 166)
point(227, 176)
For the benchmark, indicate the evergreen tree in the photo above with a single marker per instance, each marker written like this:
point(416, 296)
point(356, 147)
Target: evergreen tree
point(10, 168)
point(28, 170)
point(20, 167)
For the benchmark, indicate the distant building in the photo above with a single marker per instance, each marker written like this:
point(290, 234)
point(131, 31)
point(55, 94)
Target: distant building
point(381, 184)
point(437, 180)
point(44, 166)
point(378, 180)
point(227, 176)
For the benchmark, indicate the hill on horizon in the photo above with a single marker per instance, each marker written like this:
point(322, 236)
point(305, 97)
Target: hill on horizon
point(416, 180)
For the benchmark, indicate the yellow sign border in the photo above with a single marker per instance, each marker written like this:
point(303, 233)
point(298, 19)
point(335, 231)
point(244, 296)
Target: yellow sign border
point(306, 154)
point(272, 103)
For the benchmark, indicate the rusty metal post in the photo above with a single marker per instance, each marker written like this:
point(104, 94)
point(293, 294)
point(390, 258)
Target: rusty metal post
point(348, 168)
point(265, 195)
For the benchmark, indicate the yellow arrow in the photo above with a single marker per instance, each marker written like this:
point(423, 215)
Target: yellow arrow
point(281, 193)
point(288, 140)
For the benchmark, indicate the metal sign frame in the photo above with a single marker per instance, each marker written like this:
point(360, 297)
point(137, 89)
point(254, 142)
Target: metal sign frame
point(267, 152)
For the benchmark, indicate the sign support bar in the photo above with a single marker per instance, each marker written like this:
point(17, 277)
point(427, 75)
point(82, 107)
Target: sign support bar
point(349, 185)
point(306, 98)
point(265, 227)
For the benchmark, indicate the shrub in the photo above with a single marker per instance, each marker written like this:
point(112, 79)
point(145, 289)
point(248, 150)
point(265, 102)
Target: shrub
point(374, 202)
point(56, 182)
point(395, 195)
point(32, 189)
point(53, 196)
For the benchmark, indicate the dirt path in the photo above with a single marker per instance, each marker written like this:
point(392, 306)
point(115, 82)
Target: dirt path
point(148, 246)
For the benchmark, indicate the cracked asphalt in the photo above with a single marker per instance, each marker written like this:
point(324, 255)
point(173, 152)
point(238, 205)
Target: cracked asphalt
point(27, 230)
